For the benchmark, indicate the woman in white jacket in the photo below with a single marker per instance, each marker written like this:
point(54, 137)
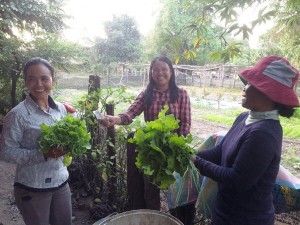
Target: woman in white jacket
point(41, 189)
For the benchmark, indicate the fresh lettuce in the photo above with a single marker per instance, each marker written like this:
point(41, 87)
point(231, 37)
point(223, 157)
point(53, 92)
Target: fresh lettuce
point(160, 150)
point(69, 134)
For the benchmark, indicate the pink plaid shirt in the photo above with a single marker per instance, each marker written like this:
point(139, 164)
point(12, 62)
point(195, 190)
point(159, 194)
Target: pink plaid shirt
point(181, 109)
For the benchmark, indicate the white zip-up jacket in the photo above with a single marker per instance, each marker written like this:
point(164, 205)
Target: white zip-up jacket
point(19, 145)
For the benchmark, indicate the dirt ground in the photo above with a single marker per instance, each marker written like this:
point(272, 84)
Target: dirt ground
point(9, 214)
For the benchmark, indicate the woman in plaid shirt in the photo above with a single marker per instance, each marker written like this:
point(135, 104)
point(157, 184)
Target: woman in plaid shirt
point(161, 90)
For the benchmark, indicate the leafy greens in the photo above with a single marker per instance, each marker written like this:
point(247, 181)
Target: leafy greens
point(161, 151)
point(69, 134)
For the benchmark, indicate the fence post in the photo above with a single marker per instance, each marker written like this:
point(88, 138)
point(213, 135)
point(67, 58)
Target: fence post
point(123, 72)
point(185, 77)
point(200, 84)
point(222, 72)
point(107, 76)
point(210, 79)
point(192, 79)
point(94, 83)
point(145, 77)
point(111, 155)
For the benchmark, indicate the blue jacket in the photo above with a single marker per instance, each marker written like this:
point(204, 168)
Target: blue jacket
point(245, 165)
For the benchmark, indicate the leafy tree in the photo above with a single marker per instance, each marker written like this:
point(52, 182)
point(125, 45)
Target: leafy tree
point(39, 20)
point(62, 54)
point(30, 16)
point(285, 35)
point(177, 37)
point(9, 72)
point(15, 53)
point(284, 42)
point(283, 38)
point(122, 43)
point(284, 13)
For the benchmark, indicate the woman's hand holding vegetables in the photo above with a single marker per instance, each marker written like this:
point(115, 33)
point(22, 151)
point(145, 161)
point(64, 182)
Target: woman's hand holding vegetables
point(55, 153)
point(193, 158)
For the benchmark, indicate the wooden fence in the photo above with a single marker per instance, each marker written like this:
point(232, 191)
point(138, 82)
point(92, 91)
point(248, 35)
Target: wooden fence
point(200, 76)
point(186, 75)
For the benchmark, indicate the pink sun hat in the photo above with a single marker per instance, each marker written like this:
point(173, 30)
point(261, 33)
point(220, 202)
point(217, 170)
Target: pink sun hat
point(275, 77)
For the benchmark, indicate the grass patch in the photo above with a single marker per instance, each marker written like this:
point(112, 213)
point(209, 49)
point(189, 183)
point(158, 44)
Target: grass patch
point(225, 117)
point(291, 160)
point(291, 126)
point(74, 95)
point(68, 95)
point(219, 119)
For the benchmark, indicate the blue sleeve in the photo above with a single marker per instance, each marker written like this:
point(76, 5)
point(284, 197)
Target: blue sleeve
point(253, 158)
point(213, 154)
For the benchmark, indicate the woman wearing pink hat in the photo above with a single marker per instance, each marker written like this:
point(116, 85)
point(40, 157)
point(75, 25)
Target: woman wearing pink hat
point(245, 164)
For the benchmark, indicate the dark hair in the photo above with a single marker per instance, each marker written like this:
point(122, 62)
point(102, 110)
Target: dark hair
point(37, 61)
point(174, 93)
point(284, 110)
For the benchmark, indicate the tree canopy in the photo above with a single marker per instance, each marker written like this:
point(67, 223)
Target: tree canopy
point(42, 21)
point(31, 16)
point(178, 41)
point(122, 43)
point(285, 14)
point(189, 31)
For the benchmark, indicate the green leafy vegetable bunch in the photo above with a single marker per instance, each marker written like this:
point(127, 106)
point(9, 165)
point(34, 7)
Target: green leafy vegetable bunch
point(160, 150)
point(69, 134)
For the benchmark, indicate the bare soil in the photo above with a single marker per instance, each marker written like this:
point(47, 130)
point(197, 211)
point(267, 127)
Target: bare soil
point(9, 214)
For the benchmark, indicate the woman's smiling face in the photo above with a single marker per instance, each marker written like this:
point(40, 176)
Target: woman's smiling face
point(39, 81)
point(161, 75)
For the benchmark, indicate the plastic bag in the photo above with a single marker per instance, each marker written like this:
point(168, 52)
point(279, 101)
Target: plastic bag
point(286, 191)
point(209, 187)
point(185, 189)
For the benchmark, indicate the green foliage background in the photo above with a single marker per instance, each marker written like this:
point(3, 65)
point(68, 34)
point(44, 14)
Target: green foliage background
point(193, 32)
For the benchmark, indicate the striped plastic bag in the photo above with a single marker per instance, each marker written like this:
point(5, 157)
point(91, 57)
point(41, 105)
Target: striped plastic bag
point(185, 189)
